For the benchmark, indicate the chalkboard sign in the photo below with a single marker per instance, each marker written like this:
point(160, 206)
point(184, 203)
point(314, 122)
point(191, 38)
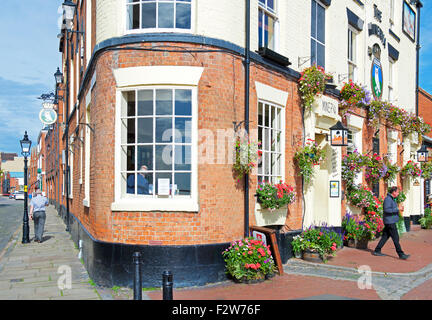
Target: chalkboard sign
point(270, 239)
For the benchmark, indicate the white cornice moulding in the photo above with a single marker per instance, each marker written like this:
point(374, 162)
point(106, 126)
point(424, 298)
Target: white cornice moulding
point(270, 94)
point(157, 75)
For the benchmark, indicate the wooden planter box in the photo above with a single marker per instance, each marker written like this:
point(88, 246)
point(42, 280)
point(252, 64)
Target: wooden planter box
point(358, 244)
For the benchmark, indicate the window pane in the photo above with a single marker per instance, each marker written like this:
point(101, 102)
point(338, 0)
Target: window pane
point(163, 157)
point(270, 4)
point(164, 175)
point(266, 115)
point(148, 15)
point(183, 16)
point(266, 140)
point(130, 97)
point(313, 19)
point(260, 28)
point(145, 157)
point(131, 131)
point(183, 132)
point(313, 52)
point(143, 182)
point(320, 24)
point(260, 114)
point(133, 16)
point(130, 162)
point(321, 55)
point(165, 15)
point(271, 33)
point(164, 102)
point(164, 130)
point(183, 102)
point(183, 183)
point(145, 130)
point(266, 163)
point(145, 102)
point(130, 183)
point(182, 156)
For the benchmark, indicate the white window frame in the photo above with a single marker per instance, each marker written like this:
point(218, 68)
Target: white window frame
point(315, 39)
point(392, 13)
point(273, 14)
point(151, 30)
point(71, 165)
point(391, 80)
point(352, 53)
point(125, 202)
point(273, 177)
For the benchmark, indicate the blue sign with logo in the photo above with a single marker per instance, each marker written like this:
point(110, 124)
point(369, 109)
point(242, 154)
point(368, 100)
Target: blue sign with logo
point(377, 78)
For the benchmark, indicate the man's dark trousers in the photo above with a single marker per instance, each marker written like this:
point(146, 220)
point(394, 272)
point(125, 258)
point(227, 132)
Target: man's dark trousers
point(390, 230)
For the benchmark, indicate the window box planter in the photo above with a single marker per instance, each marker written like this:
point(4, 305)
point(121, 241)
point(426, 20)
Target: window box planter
point(266, 217)
point(312, 256)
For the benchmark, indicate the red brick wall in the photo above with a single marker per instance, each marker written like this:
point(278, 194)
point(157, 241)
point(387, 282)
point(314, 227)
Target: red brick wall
point(220, 102)
point(425, 107)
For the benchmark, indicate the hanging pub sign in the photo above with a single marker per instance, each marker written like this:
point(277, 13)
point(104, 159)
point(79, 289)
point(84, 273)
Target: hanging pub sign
point(338, 135)
point(377, 78)
point(422, 154)
point(48, 115)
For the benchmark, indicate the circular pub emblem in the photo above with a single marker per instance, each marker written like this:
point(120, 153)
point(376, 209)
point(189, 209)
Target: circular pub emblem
point(48, 116)
point(377, 78)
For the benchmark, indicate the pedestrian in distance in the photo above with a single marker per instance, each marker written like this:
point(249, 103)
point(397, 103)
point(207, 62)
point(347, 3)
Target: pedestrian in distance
point(391, 217)
point(37, 213)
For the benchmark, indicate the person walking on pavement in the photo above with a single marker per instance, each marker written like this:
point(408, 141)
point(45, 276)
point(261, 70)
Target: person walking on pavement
point(37, 213)
point(391, 217)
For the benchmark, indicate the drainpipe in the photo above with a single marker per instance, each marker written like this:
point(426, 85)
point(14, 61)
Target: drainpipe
point(419, 5)
point(247, 75)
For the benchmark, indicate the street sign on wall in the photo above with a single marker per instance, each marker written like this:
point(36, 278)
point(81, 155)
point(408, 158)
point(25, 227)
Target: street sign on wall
point(48, 116)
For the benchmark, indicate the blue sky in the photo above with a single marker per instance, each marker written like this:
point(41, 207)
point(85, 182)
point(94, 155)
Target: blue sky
point(29, 58)
point(28, 61)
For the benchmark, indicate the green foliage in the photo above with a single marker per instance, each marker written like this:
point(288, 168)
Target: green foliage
point(275, 196)
point(317, 239)
point(246, 156)
point(312, 84)
point(248, 259)
point(307, 157)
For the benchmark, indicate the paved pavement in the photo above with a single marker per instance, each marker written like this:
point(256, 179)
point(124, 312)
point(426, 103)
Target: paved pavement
point(44, 271)
point(11, 214)
point(352, 274)
point(38, 271)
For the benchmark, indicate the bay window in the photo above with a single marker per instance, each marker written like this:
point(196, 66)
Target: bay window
point(156, 143)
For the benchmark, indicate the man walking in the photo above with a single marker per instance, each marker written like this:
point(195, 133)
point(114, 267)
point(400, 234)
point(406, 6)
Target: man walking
point(390, 217)
point(37, 213)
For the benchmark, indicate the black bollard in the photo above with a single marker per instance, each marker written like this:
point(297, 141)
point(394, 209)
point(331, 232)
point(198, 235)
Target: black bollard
point(137, 276)
point(167, 285)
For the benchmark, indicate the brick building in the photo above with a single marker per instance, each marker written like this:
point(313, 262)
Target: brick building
point(425, 111)
point(153, 103)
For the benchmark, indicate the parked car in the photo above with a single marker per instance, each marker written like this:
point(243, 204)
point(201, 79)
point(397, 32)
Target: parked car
point(19, 195)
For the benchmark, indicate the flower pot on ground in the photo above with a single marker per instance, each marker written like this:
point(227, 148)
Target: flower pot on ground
point(248, 260)
point(361, 243)
point(312, 256)
point(426, 220)
point(317, 242)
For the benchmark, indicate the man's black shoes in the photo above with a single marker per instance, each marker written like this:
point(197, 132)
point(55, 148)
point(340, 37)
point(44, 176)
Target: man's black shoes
point(376, 253)
point(404, 256)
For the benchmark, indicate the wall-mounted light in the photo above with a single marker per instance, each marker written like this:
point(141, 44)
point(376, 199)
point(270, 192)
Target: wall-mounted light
point(339, 135)
point(422, 154)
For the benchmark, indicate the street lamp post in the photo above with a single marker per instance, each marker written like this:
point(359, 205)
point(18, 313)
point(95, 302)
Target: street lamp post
point(25, 151)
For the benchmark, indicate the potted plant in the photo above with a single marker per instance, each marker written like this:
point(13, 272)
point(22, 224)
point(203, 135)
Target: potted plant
point(249, 260)
point(246, 156)
point(317, 243)
point(426, 168)
point(307, 157)
point(411, 169)
point(374, 168)
point(297, 246)
point(358, 231)
point(352, 165)
point(312, 83)
point(353, 95)
point(392, 171)
point(426, 220)
point(275, 196)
